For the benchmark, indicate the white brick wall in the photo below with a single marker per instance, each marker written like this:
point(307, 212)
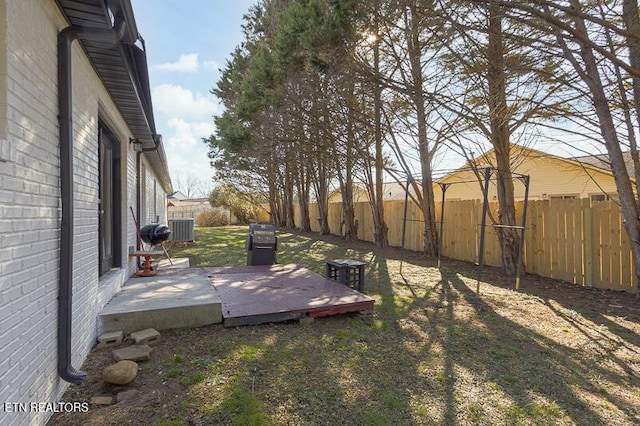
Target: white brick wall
point(30, 206)
point(156, 200)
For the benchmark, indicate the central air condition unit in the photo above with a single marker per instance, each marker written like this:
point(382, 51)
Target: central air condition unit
point(181, 230)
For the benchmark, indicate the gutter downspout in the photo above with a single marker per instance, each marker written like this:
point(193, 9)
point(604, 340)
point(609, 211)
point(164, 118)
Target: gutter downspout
point(156, 141)
point(138, 200)
point(65, 106)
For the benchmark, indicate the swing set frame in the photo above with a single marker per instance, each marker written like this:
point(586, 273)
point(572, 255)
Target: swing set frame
point(487, 173)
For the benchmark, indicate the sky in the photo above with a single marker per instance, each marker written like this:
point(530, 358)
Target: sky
point(187, 42)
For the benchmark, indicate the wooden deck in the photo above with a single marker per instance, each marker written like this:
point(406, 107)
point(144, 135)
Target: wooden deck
point(262, 294)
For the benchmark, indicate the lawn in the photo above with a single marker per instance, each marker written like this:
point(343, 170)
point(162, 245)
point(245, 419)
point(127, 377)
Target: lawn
point(432, 352)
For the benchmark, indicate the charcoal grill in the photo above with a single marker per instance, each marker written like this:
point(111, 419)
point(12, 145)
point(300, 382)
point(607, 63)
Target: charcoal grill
point(155, 234)
point(262, 245)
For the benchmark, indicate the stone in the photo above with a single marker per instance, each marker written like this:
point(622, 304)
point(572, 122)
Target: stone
point(133, 353)
point(113, 338)
point(126, 395)
point(120, 373)
point(102, 400)
point(148, 336)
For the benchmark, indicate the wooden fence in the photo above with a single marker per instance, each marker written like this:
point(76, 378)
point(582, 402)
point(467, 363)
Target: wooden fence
point(569, 240)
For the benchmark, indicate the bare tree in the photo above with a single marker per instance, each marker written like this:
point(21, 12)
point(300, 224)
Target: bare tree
point(192, 186)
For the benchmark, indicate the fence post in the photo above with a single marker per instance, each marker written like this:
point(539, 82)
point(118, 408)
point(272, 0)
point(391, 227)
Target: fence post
point(587, 224)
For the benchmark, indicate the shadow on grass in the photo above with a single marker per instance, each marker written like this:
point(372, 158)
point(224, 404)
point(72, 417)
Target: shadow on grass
point(432, 353)
point(568, 301)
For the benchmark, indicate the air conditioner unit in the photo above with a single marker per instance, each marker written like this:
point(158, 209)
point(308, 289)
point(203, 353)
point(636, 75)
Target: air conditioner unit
point(181, 230)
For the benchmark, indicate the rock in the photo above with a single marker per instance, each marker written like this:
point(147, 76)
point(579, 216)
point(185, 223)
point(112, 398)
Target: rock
point(120, 373)
point(133, 353)
point(126, 395)
point(148, 336)
point(102, 400)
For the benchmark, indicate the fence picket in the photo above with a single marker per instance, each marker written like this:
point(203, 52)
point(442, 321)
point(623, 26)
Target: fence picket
point(565, 239)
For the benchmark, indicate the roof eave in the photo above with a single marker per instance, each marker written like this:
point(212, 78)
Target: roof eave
point(122, 67)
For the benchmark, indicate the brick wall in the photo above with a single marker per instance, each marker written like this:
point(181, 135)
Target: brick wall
point(154, 209)
point(30, 206)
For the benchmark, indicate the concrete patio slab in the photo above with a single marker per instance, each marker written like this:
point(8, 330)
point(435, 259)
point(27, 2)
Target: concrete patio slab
point(162, 302)
point(178, 263)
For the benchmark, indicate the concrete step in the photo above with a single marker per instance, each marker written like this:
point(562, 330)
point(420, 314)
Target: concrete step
point(162, 302)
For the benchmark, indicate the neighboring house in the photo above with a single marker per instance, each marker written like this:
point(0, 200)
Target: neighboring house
point(390, 190)
point(551, 177)
point(179, 196)
point(78, 148)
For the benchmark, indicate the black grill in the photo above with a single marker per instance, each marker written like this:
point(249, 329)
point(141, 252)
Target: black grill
point(155, 234)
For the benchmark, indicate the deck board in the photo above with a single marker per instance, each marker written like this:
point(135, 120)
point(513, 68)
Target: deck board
point(260, 294)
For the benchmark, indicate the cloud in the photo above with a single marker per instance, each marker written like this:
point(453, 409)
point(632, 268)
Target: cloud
point(186, 153)
point(211, 66)
point(187, 134)
point(186, 63)
point(185, 117)
point(176, 101)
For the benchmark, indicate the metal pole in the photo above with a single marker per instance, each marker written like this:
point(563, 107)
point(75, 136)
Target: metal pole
point(485, 203)
point(443, 187)
point(525, 180)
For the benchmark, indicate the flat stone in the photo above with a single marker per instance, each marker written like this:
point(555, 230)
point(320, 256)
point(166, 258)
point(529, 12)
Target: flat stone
point(126, 395)
point(133, 353)
point(102, 400)
point(120, 373)
point(113, 338)
point(148, 336)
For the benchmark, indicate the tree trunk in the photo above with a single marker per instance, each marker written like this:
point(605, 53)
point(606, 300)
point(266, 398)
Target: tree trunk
point(302, 177)
point(380, 231)
point(322, 196)
point(303, 203)
point(628, 201)
point(346, 188)
point(427, 206)
point(287, 190)
point(631, 17)
point(500, 135)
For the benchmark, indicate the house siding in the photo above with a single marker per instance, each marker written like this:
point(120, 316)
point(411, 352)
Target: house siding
point(30, 209)
point(155, 206)
point(549, 176)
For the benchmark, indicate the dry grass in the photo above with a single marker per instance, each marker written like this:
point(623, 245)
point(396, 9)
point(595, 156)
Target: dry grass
point(433, 352)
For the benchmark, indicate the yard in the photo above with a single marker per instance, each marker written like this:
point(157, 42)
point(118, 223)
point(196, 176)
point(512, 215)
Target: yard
point(431, 353)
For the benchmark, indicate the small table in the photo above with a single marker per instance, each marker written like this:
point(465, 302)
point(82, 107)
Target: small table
point(346, 271)
point(148, 255)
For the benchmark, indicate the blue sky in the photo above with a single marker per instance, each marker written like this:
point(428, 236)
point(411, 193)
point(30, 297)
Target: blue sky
point(187, 42)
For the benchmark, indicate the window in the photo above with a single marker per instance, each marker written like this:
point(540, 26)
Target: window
point(109, 207)
point(563, 197)
point(603, 197)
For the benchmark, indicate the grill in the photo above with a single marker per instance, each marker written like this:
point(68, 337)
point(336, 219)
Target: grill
point(262, 245)
point(155, 234)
